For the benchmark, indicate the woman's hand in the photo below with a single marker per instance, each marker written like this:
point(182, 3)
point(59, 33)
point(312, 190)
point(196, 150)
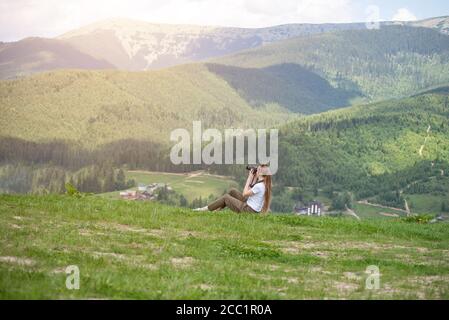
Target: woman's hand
point(247, 189)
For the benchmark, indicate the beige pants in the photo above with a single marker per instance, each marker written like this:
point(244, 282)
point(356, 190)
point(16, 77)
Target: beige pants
point(233, 200)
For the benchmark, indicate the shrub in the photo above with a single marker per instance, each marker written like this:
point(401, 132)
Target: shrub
point(422, 218)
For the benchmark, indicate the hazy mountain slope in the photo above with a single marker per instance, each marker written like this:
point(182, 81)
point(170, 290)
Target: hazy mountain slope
point(102, 106)
point(439, 23)
point(138, 45)
point(38, 54)
point(390, 62)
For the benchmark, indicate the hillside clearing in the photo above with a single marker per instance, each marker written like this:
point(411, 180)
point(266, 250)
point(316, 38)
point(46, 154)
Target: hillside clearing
point(149, 251)
point(191, 185)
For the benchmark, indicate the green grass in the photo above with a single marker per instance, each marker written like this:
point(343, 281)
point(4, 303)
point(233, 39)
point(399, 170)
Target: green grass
point(191, 185)
point(149, 251)
point(365, 211)
point(425, 203)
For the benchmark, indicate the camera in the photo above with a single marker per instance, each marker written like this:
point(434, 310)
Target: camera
point(253, 169)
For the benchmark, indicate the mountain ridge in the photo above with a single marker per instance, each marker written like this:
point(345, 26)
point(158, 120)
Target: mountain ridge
point(34, 54)
point(392, 61)
point(139, 45)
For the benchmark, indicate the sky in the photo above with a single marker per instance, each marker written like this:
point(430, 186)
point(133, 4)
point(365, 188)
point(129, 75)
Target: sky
point(49, 18)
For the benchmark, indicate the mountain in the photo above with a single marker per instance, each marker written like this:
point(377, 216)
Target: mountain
point(33, 55)
point(390, 62)
point(138, 45)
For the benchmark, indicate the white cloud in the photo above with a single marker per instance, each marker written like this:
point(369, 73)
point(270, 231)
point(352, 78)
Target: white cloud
point(403, 14)
point(252, 13)
point(22, 18)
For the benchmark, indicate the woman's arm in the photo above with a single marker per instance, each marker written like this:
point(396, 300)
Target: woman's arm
point(247, 189)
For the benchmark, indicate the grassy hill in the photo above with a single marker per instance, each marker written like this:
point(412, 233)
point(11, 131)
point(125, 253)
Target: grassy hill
point(379, 64)
point(149, 251)
point(96, 107)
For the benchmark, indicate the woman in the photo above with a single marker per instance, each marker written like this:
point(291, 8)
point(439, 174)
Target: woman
point(256, 196)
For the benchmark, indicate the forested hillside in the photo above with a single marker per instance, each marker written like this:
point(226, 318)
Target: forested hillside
point(97, 107)
point(288, 85)
point(379, 64)
point(380, 150)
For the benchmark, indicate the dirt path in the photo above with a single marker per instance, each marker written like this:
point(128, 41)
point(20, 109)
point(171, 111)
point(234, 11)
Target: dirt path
point(352, 213)
point(159, 172)
point(394, 215)
point(425, 140)
point(380, 206)
point(195, 174)
point(407, 209)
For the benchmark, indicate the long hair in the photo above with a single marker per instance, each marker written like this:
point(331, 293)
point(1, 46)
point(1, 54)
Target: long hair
point(267, 195)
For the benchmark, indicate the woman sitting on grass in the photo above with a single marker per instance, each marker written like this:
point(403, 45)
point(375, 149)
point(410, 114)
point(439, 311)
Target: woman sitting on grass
point(256, 196)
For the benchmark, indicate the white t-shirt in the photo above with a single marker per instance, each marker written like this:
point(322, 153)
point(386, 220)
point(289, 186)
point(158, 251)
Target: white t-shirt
point(256, 200)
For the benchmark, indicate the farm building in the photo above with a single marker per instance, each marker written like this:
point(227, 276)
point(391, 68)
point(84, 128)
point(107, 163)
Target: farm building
point(308, 209)
point(144, 192)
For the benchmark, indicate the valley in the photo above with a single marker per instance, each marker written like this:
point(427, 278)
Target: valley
point(352, 105)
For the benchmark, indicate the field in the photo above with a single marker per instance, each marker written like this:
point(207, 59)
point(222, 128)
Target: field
point(365, 211)
point(362, 210)
point(191, 185)
point(146, 250)
point(425, 203)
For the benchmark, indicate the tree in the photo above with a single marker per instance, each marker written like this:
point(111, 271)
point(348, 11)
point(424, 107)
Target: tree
point(445, 206)
point(120, 183)
point(130, 183)
point(109, 182)
point(182, 201)
point(341, 201)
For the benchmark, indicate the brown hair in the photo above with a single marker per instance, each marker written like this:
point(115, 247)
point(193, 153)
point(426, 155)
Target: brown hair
point(267, 195)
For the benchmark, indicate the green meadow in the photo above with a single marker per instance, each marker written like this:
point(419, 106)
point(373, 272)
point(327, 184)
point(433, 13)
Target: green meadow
point(145, 250)
point(191, 185)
